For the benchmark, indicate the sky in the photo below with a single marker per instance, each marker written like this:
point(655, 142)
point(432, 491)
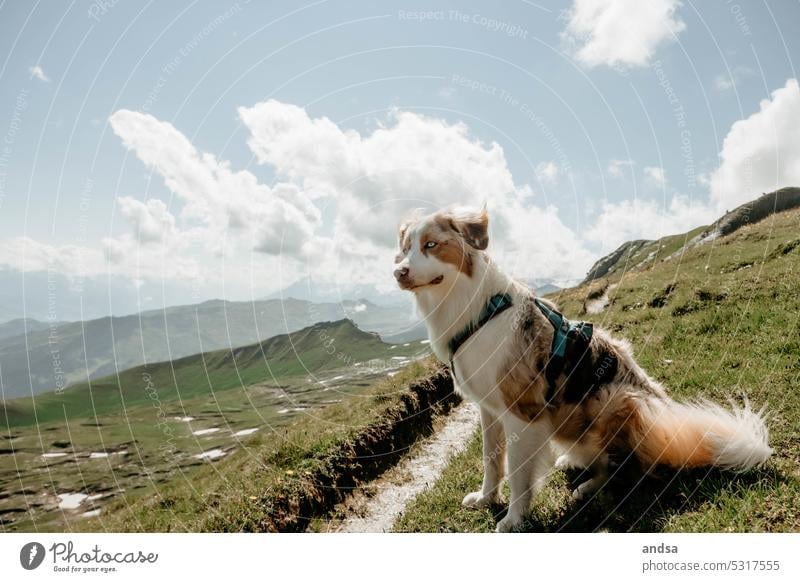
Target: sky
point(194, 150)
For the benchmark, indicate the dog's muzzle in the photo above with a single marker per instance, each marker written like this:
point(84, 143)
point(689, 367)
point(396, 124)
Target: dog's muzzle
point(406, 283)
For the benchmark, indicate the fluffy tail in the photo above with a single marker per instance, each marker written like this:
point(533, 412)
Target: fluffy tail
point(698, 434)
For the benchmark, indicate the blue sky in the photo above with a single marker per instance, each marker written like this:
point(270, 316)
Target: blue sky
point(126, 127)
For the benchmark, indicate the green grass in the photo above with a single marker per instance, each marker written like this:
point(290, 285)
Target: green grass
point(239, 493)
point(270, 386)
point(729, 327)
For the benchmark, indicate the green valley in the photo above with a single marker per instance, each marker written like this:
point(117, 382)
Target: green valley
point(155, 423)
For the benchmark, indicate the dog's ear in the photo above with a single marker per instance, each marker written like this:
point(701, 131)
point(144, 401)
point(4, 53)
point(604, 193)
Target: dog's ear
point(401, 231)
point(473, 226)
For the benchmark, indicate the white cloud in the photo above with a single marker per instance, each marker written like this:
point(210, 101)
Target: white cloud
point(151, 221)
point(156, 247)
point(617, 168)
point(655, 176)
point(547, 172)
point(760, 153)
point(727, 81)
point(27, 254)
point(409, 161)
point(621, 32)
point(646, 219)
point(724, 83)
point(224, 225)
point(124, 257)
point(446, 92)
point(38, 73)
point(227, 205)
point(229, 227)
point(533, 243)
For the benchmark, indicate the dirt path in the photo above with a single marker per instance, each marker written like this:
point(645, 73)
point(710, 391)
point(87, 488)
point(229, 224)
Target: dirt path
point(414, 474)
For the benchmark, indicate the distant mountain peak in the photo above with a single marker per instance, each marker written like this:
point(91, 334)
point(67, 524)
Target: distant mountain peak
point(345, 322)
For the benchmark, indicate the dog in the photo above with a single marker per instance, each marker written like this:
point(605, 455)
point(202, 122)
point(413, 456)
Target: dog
point(501, 343)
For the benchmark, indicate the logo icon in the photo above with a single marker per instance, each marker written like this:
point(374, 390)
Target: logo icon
point(31, 555)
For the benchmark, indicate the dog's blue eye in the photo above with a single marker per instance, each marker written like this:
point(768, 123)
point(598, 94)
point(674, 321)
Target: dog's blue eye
point(430, 244)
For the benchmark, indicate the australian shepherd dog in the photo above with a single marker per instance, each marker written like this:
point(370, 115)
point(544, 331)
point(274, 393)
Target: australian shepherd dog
point(597, 402)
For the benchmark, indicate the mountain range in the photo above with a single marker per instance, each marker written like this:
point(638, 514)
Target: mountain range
point(303, 353)
point(50, 357)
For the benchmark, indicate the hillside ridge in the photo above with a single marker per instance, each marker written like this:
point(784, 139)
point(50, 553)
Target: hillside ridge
point(644, 252)
point(321, 346)
point(92, 349)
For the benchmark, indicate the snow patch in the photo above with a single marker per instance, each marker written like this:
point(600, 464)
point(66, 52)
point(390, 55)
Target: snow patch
point(245, 432)
point(70, 500)
point(212, 454)
point(205, 431)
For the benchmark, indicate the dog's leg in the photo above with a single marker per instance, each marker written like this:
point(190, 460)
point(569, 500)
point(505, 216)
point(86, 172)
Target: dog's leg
point(529, 461)
point(494, 453)
point(600, 469)
point(575, 456)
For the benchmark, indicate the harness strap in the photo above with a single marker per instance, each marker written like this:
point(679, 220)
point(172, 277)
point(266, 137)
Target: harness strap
point(496, 305)
point(563, 329)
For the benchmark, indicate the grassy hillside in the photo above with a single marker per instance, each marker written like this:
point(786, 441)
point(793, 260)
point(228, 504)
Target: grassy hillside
point(281, 479)
point(49, 358)
point(17, 327)
point(121, 438)
point(643, 254)
point(719, 320)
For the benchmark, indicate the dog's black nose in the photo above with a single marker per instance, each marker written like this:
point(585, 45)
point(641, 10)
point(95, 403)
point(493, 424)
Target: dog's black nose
point(400, 273)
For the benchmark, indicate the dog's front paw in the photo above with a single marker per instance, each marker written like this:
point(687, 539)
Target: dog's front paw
point(477, 499)
point(587, 488)
point(563, 462)
point(508, 524)
point(566, 461)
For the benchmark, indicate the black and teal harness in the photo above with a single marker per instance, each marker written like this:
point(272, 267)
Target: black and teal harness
point(563, 330)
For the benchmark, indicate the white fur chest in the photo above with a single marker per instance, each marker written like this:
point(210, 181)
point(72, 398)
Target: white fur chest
point(481, 359)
